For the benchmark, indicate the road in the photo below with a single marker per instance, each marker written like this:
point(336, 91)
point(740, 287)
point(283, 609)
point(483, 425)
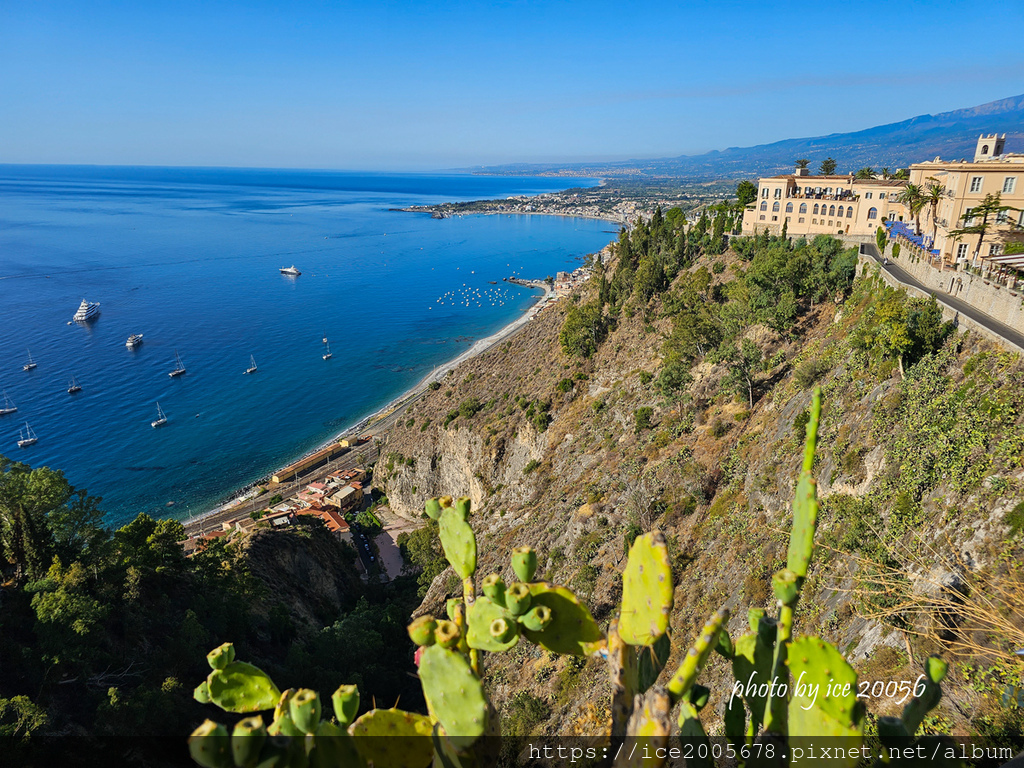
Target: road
point(957, 305)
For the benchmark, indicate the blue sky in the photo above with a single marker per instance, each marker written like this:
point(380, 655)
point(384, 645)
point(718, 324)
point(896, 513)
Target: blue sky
point(418, 86)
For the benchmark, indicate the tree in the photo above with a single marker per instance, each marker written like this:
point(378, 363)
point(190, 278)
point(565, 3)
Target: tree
point(743, 362)
point(865, 173)
point(828, 167)
point(902, 174)
point(802, 163)
point(932, 194)
point(914, 198)
point(583, 329)
point(746, 193)
point(674, 377)
point(880, 239)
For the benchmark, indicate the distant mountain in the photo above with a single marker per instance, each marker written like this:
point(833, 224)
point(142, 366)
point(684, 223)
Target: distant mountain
point(949, 135)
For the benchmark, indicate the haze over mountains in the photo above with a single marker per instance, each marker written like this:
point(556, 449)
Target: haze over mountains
point(949, 135)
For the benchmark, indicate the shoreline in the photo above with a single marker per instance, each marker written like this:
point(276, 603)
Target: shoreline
point(610, 218)
point(405, 398)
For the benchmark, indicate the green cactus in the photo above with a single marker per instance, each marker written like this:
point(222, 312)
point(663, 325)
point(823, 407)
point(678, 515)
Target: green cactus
point(333, 747)
point(646, 591)
point(345, 701)
point(518, 598)
point(622, 668)
point(823, 700)
point(433, 509)
point(805, 503)
point(247, 740)
point(651, 660)
point(462, 506)
point(524, 563)
point(650, 726)
point(494, 587)
point(304, 707)
point(221, 656)
point(422, 629)
point(691, 732)
point(454, 694)
point(572, 630)
point(752, 666)
point(210, 746)
point(447, 634)
point(391, 738)
point(481, 616)
point(458, 541)
point(202, 693)
point(918, 707)
point(786, 586)
point(698, 654)
point(241, 687)
point(537, 618)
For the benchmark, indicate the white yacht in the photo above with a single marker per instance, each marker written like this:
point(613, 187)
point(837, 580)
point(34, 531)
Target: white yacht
point(87, 311)
point(73, 386)
point(30, 364)
point(290, 271)
point(27, 437)
point(179, 367)
point(252, 365)
point(327, 354)
point(9, 407)
point(160, 418)
point(134, 340)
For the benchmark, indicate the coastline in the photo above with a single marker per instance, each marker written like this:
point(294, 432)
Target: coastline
point(393, 406)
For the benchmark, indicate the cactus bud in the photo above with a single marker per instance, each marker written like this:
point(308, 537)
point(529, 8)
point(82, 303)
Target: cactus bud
point(536, 618)
point(462, 506)
point(210, 745)
point(494, 587)
point(433, 509)
point(446, 634)
point(445, 502)
point(517, 599)
point(304, 708)
point(202, 693)
point(524, 563)
point(502, 631)
point(247, 740)
point(936, 669)
point(786, 586)
point(421, 631)
point(346, 703)
point(221, 656)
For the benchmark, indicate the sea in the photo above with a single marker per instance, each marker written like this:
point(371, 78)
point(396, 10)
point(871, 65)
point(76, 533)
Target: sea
point(190, 258)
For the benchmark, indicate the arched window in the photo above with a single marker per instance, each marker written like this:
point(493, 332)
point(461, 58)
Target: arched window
point(803, 207)
point(764, 206)
point(984, 150)
point(775, 207)
point(831, 210)
point(849, 212)
point(789, 207)
point(815, 208)
point(840, 213)
point(872, 213)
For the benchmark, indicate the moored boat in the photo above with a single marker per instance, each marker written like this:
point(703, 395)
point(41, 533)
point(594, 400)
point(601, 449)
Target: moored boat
point(161, 419)
point(30, 364)
point(290, 271)
point(179, 367)
point(87, 310)
point(327, 355)
point(27, 436)
point(134, 340)
point(73, 386)
point(252, 365)
point(9, 407)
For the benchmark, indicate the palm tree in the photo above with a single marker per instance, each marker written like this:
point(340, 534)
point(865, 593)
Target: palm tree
point(932, 195)
point(886, 174)
point(915, 200)
point(902, 174)
point(865, 173)
point(802, 163)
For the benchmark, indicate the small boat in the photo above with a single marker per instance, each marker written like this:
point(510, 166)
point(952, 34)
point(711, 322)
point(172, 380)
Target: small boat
point(161, 419)
point(292, 271)
point(73, 386)
point(327, 354)
point(134, 340)
point(325, 337)
point(252, 365)
point(179, 367)
point(87, 310)
point(30, 364)
point(9, 407)
point(27, 437)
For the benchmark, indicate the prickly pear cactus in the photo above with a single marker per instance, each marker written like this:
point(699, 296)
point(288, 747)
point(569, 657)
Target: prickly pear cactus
point(650, 726)
point(247, 740)
point(698, 654)
point(823, 700)
point(391, 738)
point(241, 687)
point(571, 630)
point(918, 707)
point(752, 667)
point(481, 616)
point(210, 746)
point(454, 694)
point(458, 540)
point(805, 502)
point(524, 563)
point(651, 660)
point(646, 591)
point(345, 702)
point(622, 668)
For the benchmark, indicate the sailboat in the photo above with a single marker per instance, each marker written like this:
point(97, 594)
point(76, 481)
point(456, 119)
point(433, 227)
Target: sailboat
point(325, 337)
point(9, 407)
point(179, 367)
point(73, 386)
point(161, 419)
point(30, 364)
point(327, 354)
point(28, 437)
point(252, 365)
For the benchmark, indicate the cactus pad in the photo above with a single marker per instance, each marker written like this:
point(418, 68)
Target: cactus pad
point(691, 732)
point(210, 745)
point(459, 542)
point(247, 740)
point(919, 706)
point(202, 693)
point(805, 502)
point(572, 630)
point(480, 616)
point(454, 694)
point(752, 668)
point(651, 660)
point(391, 738)
point(698, 654)
point(786, 586)
point(649, 726)
point(646, 591)
point(241, 687)
point(304, 708)
point(221, 656)
point(462, 506)
point(823, 700)
point(524, 563)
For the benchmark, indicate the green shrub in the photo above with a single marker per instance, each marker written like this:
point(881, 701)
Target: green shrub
point(434, 386)
point(531, 465)
point(642, 417)
point(1015, 519)
point(719, 428)
point(646, 377)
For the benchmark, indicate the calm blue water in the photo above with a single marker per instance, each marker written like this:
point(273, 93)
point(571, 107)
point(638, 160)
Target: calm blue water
point(190, 259)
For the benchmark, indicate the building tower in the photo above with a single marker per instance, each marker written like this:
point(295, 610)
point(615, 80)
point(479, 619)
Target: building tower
point(989, 147)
